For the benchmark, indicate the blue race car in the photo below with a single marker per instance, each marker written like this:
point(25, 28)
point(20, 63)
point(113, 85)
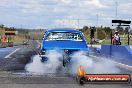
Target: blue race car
point(67, 40)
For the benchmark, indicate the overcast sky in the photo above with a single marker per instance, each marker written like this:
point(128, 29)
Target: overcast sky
point(62, 13)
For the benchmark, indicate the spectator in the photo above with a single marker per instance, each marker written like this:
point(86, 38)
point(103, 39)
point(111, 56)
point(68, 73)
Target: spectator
point(113, 40)
point(0, 38)
point(116, 39)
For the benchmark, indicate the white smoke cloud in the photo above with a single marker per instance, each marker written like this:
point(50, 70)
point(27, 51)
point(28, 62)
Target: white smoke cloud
point(90, 65)
point(54, 64)
point(50, 66)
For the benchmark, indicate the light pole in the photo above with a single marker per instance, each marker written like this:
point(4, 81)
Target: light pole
point(116, 9)
point(97, 26)
point(63, 23)
point(78, 23)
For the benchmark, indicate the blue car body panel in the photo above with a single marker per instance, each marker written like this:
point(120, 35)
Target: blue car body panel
point(64, 44)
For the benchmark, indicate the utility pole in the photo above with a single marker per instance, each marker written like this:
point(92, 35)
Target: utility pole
point(78, 23)
point(59, 25)
point(97, 26)
point(116, 9)
point(63, 23)
point(69, 23)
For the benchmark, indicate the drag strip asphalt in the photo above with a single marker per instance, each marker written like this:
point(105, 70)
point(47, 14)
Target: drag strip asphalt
point(15, 58)
point(13, 75)
point(9, 55)
point(6, 51)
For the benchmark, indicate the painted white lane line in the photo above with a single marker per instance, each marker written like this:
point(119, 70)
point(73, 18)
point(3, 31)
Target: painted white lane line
point(116, 63)
point(9, 55)
point(123, 65)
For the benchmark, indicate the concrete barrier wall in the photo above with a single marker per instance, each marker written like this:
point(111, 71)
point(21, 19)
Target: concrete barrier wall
point(120, 51)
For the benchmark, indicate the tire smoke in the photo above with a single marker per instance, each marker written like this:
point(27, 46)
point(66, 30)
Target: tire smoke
point(98, 65)
point(39, 68)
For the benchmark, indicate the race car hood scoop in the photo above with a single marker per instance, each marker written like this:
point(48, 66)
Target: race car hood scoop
point(64, 45)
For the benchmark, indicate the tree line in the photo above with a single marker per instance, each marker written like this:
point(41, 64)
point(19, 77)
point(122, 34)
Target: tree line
point(105, 32)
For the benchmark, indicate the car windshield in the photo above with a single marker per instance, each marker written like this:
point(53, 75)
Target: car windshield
point(64, 36)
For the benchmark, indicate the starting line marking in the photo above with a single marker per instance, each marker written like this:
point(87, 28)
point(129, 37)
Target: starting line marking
point(9, 55)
